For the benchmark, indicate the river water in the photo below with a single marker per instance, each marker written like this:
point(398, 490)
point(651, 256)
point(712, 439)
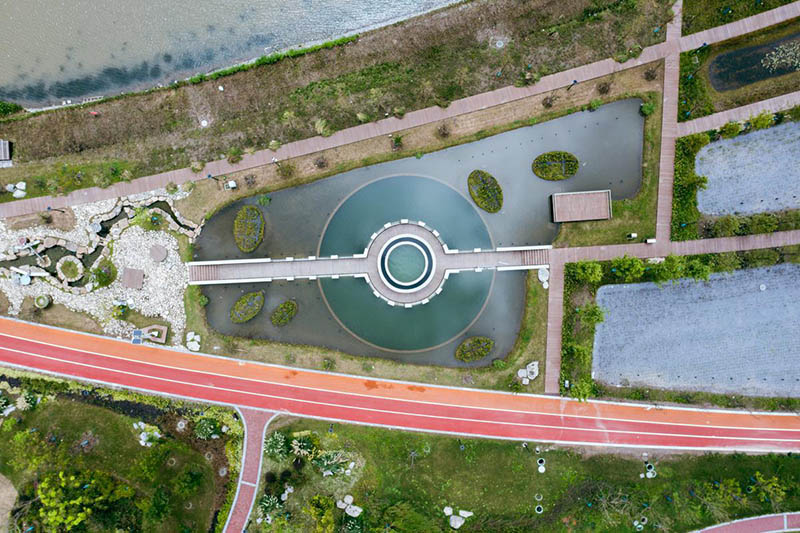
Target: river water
point(51, 50)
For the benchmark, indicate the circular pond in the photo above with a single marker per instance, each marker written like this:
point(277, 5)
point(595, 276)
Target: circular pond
point(405, 263)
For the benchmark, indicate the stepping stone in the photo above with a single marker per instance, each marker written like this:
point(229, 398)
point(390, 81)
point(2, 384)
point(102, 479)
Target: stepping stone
point(340, 504)
point(448, 510)
point(193, 346)
point(348, 499)
point(353, 510)
point(465, 514)
point(456, 521)
point(158, 253)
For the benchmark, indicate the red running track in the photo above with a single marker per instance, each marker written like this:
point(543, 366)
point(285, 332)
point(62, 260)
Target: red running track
point(759, 524)
point(389, 403)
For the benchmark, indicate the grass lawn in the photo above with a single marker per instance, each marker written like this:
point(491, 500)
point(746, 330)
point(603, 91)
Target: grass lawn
point(698, 98)
point(634, 215)
point(498, 481)
point(699, 15)
point(48, 439)
point(430, 60)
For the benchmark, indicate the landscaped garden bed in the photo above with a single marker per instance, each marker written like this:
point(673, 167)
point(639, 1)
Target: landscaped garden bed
point(699, 15)
point(105, 460)
point(284, 313)
point(485, 191)
point(474, 349)
point(247, 307)
point(403, 481)
point(248, 228)
point(581, 317)
point(555, 166)
point(753, 179)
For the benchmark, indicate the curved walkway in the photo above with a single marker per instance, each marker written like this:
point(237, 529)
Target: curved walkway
point(758, 524)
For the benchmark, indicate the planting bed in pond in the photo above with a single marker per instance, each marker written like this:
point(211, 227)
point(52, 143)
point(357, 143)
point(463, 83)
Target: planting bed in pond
point(743, 66)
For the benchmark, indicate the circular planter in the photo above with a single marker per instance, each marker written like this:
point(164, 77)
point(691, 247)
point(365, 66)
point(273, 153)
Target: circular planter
point(62, 264)
point(42, 301)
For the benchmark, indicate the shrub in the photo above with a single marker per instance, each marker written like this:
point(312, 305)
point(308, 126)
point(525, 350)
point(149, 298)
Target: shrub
point(321, 162)
point(789, 220)
point(730, 130)
point(120, 312)
point(268, 503)
point(274, 145)
point(206, 428)
point(647, 108)
point(443, 131)
point(548, 101)
point(627, 269)
point(397, 142)
point(761, 223)
point(105, 273)
point(595, 104)
point(284, 313)
point(286, 170)
point(603, 88)
point(9, 108)
point(590, 272)
point(577, 356)
point(276, 446)
point(235, 155)
point(303, 447)
point(247, 307)
point(650, 74)
point(726, 262)
point(760, 258)
point(555, 166)
point(684, 204)
point(762, 120)
point(171, 187)
point(474, 348)
point(591, 313)
point(672, 268)
point(485, 191)
point(331, 461)
point(248, 228)
point(499, 364)
point(264, 200)
point(328, 364)
point(726, 226)
point(362, 117)
point(698, 270)
point(322, 128)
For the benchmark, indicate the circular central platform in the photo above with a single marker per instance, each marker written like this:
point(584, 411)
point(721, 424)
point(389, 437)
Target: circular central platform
point(403, 259)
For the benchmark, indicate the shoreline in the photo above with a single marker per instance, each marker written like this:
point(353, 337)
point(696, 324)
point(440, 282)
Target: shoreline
point(185, 77)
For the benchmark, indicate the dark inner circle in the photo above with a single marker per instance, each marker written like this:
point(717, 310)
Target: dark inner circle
point(383, 261)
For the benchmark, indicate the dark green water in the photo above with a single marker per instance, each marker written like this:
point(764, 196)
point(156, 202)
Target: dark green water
point(406, 263)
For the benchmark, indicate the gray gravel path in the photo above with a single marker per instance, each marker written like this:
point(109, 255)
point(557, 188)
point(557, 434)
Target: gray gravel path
point(725, 336)
point(752, 173)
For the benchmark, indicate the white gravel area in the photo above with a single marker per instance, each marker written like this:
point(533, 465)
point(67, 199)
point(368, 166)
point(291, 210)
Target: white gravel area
point(726, 335)
point(164, 282)
point(751, 173)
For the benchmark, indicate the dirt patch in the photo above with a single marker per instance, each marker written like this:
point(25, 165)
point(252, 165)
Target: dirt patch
point(86, 443)
point(4, 303)
point(61, 219)
point(8, 497)
point(59, 315)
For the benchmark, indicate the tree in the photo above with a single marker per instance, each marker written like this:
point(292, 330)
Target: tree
point(672, 268)
point(730, 130)
point(627, 269)
point(320, 509)
point(588, 272)
point(591, 313)
point(206, 428)
point(769, 490)
point(726, 262)
point(762, 223)
point(68, 500)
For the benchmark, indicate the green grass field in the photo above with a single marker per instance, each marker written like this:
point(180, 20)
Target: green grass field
point(499, 481)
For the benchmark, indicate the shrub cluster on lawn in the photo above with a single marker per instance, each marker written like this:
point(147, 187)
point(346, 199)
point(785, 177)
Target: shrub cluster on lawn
point(9, 108)
point(248, 228)
point(65, 178)
point(284, 313)
point(247, 307)
point(554, 166)
point(474, 348)
point(485, 191)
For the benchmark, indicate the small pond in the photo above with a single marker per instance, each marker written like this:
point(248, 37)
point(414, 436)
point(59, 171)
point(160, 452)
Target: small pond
point(337, 215)
point(740, 67)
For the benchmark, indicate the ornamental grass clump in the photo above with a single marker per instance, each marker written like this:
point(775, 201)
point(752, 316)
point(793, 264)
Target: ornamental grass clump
point(485, 191)
point(247, 307)
point(284, 313)
point(248, 228)
point(555, 166)
point(474, 348)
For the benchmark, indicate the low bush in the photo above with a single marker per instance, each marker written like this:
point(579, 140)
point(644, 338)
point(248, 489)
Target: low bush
point(647, 108)
point(730, 130)
point(760, 258)
point(685, 216)
point(485, 191)
point(762, 120)
point(284, 313)
point(206, 428)
point(248, 228)
point(247, 307)
point(235, 155)
point(9, 108)
point(555, 166)
point(590, 272)
point(474, 348)
point(105, 273)
point(627, 269)
point(694, 99)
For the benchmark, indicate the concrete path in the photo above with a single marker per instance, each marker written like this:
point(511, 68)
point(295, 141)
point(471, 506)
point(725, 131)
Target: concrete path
point(255, 426)
point(710, 122)
point(758, 524)
point(413, 119)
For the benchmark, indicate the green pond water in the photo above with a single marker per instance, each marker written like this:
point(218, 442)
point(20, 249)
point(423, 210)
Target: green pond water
point(406, 263)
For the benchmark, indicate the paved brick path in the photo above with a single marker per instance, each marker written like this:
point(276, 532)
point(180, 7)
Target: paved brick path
point(255, 422)
point(759, 524)
point(716, 120)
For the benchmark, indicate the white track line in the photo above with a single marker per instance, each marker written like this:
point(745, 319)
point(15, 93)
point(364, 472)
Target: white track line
point(372, 396)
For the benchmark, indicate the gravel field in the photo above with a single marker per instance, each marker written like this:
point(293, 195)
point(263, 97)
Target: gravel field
point(724, 336)
point(752, 173)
